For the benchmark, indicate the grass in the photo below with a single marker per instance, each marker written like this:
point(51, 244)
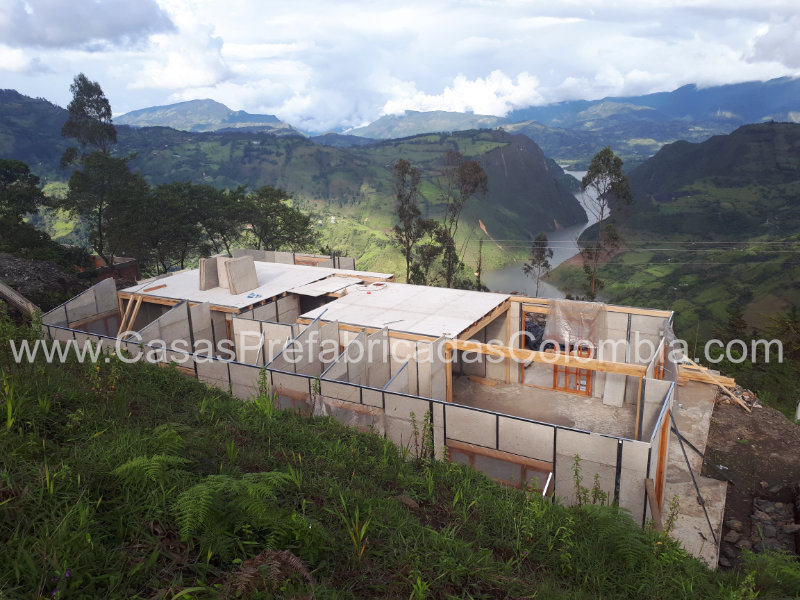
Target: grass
point(131, 481)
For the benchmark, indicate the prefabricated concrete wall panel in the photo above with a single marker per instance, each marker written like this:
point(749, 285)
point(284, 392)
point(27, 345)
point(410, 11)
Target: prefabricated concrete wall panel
point(57, 316)
point(81, 337)
point(242, 275)
point(498, 469)
point(526, 439)
point(378, 366)
point(62, 335)
point(348, 393)
point(222, 272)
point(438, 429)
point(325, 263)
point(328, 343)
point(269, 256)
point(201, 325)
point(282, 362)
point(213, 372)
point(355, 357)
point(598, 456)
point(285, 258)
point(372, 397)
point(288, 309)
point(82, 306)
point(401, 351)
point(256, 254)
point(656, 390)
point(266, 312)
point(399, 381)
point(305, 351)
point(424, 361)
point(220, 328)
point(105, 294)
point(287, 383)
point(617, 321)
point(397, 418)
point(472, 363)
point(244, 380)
point(209, 276)
point(647, 324)
point(632, 476)
point(336, 370)
point(613, 389)
point(345, 337)
point(346, 262)
point(438, 371)
point(471, 426)
point(496, 331)
point(247, 337)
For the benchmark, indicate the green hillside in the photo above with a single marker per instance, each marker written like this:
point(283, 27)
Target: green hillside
point(203, 115)
point(353, 185)
point(132, 481)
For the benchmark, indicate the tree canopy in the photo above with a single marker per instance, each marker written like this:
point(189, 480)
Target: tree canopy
point(19, 190)
point(89, 121)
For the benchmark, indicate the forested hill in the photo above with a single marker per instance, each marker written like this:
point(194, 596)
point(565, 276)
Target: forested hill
point(526, 191)
point(760, 154)
point(745, 183)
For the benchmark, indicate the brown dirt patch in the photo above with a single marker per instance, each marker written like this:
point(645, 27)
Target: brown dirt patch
point(759, 452)
point(40, 281)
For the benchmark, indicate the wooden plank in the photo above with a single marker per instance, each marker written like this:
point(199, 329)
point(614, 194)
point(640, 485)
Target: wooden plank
point(661, 467)
point(93, 318)
point(721, 385)
point(448, 367)
point(155, 287)
point(543, 303)
point(135, 312)
point(466, 448)
point(400, 335)
point(655, 512)
point(17, 300)
point(125, 316)
point(485, 320)
point(703, 376)
point(551, 358)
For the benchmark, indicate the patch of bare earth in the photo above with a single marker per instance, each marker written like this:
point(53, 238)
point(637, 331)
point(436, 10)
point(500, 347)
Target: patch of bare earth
point(759, 453)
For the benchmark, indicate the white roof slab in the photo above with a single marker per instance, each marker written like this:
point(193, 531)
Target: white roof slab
point(273, 280)
point(429, 311)
point(325, 286)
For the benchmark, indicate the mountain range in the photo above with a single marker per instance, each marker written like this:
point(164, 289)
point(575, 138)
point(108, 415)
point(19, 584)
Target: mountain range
point(204, 115)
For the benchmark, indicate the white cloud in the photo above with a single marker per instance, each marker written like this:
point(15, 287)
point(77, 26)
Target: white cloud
point(321, 64)
point(60, 24)
point(496, 94)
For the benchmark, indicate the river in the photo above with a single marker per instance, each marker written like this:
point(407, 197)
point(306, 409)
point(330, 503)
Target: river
point(564, 244)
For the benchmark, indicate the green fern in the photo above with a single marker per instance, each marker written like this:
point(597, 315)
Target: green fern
point(153, 468)
point(167, 438)
point(245, 500)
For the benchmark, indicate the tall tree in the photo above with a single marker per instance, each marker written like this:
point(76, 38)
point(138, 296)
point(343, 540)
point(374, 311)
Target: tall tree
point(461, 180)
point(106, 194)
point(609, 187)
point(89, 121)
point(275, 224)
point(221, 214)
point(411, 227)
point(538, 264)
point(19, 191)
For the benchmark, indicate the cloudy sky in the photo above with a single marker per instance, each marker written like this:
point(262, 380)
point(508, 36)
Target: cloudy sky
point(321, 65)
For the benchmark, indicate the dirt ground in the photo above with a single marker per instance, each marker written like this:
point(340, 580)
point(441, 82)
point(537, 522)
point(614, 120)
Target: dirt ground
point(758, 452)
point(42, 282)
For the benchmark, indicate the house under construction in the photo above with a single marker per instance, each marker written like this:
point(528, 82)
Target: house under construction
point(602, 385)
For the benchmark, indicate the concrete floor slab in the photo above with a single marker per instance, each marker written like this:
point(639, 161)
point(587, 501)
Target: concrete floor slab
point(547, 406)
point(692, 413)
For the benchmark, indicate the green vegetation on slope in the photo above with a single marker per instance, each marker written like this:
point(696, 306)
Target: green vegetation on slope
point(130, 481)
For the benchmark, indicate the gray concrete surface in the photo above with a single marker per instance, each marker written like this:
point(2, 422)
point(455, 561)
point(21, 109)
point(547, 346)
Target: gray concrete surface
point(692, 414)
point(558, 408)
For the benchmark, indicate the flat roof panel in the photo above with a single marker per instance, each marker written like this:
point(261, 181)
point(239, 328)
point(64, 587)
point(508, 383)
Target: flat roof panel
point(274, 279)
point(416, 309)
point(325, 286)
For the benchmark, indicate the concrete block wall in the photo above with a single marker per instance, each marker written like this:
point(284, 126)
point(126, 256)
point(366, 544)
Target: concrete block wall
point(98, 299)
point(598, 455)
